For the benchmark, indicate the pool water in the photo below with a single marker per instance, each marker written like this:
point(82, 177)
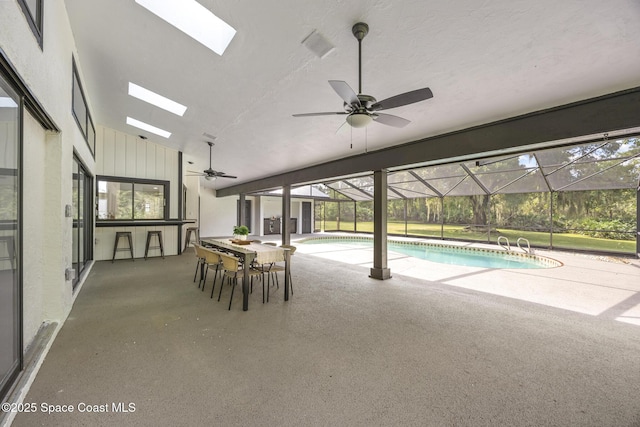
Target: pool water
point(444, 254)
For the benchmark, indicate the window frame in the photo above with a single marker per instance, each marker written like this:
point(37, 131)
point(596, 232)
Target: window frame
point(133, 181)
point(89, 137)
point(36, 23)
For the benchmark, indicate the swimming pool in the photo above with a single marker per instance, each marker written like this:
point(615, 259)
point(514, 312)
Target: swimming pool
point(447, 254)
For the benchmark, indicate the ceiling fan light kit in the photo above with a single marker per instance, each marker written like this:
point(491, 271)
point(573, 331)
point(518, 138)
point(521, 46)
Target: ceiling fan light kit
point(361, 109)
point(358, 120)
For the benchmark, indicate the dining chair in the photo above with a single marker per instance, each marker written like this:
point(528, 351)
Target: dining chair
point(275, 268)
point(211, 259)
point(233, 268)
point(197, 250)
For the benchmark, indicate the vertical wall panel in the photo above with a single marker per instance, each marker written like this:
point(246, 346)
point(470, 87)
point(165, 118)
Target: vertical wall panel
point(151, 161)
point(100, 150)
point(141, 158)
point(130, 167)
point(108, 164)
point(120, 154)
point(171, 173)
point(160, 169)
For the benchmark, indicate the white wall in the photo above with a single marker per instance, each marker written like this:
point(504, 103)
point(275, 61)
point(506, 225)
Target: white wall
point(218, 215)
point(48, 158)
point(124, 155)
point(34, 283)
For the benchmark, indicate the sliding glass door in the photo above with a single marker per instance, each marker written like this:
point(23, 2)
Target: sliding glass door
point(10, 226)
point(82, 226)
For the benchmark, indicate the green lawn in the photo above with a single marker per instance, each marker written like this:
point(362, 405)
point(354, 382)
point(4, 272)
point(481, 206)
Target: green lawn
point(539, 239)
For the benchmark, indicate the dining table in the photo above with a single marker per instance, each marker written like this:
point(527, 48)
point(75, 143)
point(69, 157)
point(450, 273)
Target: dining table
point(250, 252)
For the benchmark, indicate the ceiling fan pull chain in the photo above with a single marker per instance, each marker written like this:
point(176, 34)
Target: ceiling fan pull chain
point(352, 137)
point(366, 140)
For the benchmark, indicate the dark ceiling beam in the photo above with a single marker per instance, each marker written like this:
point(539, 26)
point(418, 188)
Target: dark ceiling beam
point(608, 113)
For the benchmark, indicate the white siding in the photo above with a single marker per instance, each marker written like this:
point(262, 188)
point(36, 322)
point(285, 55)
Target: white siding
point(129, 156)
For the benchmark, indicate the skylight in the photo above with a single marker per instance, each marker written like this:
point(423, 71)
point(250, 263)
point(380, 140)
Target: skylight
point(195, 20)
point(147, 127)
point(155, 99)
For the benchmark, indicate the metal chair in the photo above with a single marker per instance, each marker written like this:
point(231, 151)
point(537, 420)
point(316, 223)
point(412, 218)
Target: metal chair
point(158, 235)
point(187, 239)
point(232, 269)
point(127, 236)
point(199, 266)
point(211, 259)
point(275, 268)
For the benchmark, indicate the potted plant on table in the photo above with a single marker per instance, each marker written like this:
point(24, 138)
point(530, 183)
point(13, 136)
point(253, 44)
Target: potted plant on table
point(240, 232)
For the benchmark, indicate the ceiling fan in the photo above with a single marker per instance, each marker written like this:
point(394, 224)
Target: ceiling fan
point(210, 174)
point(360, 109)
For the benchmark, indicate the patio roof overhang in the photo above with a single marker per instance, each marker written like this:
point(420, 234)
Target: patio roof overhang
point(505, 143)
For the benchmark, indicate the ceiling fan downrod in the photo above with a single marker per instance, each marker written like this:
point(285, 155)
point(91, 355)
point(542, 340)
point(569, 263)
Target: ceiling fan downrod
point(360, 30)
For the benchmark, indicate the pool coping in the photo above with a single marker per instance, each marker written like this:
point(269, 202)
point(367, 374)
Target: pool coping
point(545, 261)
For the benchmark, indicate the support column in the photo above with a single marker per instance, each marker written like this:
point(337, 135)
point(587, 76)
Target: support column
point(380, 270)
point(638, 221)
point(286, 214)
point(241, 210)
point(441, 217)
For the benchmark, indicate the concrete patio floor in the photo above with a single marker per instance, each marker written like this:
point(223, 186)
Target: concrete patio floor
point(435, 345)
point(605, 286)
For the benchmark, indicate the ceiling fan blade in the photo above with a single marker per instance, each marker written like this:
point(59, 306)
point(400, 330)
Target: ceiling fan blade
point(403, 99)
point(345, 92)
point(224, 175)
point(199, 173)
point(390, 120)
point(318, 114)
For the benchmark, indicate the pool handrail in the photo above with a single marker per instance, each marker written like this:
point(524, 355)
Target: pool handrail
point(508, 247)
point(528, 250)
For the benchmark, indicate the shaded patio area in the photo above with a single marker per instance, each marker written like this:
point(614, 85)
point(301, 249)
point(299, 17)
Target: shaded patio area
point(423, 348)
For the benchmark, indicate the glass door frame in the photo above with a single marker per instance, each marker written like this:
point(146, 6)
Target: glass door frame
point(82, 214)
point(6, 382)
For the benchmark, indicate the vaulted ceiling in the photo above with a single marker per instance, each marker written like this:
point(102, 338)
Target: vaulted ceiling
point(484, 61)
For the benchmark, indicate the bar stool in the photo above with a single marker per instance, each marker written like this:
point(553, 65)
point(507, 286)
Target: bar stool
point(187, 240)
point(158, 235)
point(123, 234)
point(10, 245)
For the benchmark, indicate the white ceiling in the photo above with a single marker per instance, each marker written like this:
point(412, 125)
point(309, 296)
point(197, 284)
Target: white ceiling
point(483, 60)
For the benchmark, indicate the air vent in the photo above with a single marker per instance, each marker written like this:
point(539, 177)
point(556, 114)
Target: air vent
point(318, 44)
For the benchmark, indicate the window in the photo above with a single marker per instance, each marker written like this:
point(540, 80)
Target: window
point(81, 111)
point(32, 10)
point(131, 199)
